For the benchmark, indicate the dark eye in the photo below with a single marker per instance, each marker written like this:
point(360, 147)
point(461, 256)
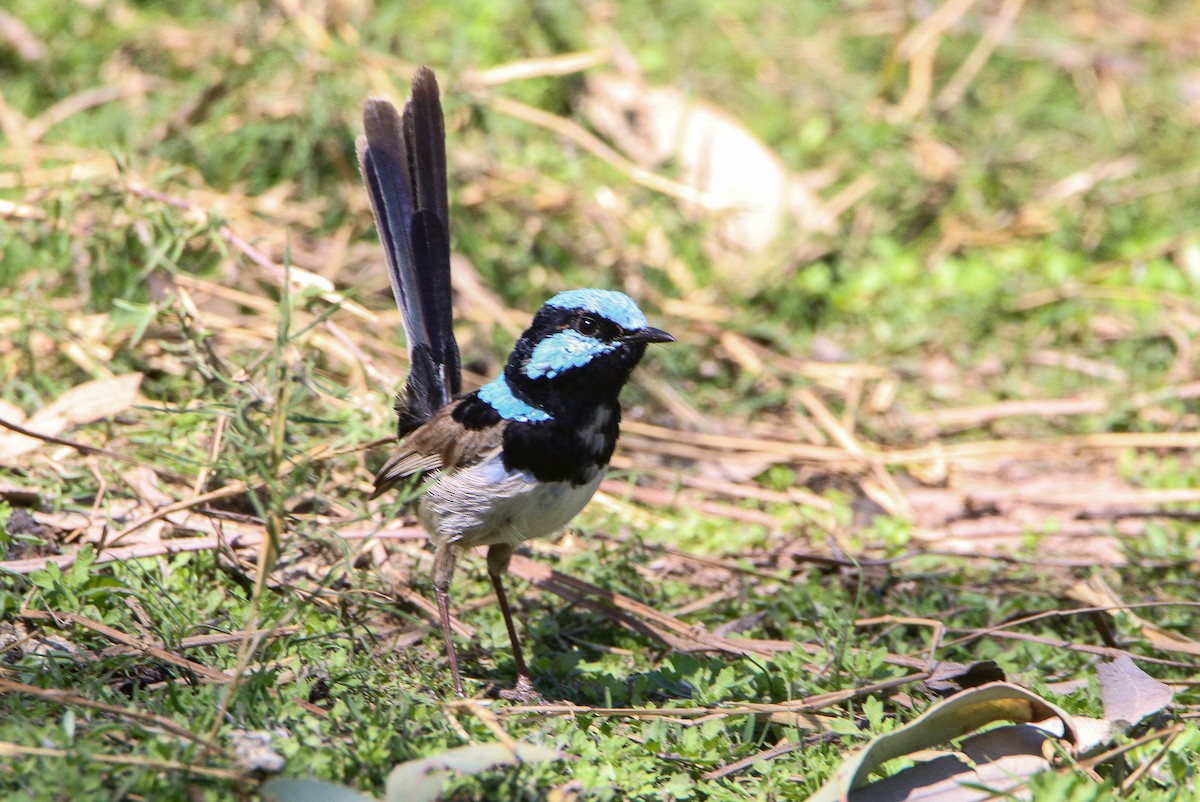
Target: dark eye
point(587, 325)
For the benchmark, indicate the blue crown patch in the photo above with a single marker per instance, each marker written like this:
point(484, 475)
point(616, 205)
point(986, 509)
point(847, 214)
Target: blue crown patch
point(616, 306)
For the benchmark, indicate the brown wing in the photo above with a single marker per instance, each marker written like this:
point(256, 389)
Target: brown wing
point(441, 443)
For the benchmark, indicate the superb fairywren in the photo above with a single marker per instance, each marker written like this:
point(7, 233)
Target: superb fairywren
point(519, 457)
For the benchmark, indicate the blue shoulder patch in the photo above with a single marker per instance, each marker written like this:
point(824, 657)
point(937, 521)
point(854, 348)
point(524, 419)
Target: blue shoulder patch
point(616, 306)
point(563, 350)
point(498, 395)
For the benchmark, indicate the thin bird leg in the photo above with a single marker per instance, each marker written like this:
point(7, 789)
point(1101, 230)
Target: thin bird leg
point(498, 558)
point(443, 570)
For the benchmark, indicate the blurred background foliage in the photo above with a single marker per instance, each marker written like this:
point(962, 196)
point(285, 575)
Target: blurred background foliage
point(989, 203)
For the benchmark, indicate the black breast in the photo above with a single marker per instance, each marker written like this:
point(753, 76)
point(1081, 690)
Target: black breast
point(566, 449)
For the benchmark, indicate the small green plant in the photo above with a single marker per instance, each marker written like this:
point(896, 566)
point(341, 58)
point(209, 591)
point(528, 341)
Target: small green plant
point(989, 298)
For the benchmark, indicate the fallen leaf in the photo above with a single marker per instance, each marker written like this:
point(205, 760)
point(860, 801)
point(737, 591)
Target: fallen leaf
point(423, 780)
point(807, 722)
point(998, 759)
point(948, 678)
point(86, 403)
point(716, 155)
point(991, 760)
point(11, 412)
point(292, 789)
point(1130, 694)
point(1095, 592)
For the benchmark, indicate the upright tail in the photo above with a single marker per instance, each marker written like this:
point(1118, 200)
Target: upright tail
point(403, 162)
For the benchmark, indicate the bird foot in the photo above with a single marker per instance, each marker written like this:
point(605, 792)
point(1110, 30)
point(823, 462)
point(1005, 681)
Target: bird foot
point(523, 693)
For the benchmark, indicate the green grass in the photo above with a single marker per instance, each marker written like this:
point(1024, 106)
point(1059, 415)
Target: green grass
point(971, 288)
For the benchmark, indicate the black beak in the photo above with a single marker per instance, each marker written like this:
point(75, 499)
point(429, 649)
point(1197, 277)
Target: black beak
point(648, 334)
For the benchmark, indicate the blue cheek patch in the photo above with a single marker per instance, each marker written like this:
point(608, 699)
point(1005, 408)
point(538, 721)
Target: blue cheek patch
point(562, 351)
point(498, 395)
point(616, 306)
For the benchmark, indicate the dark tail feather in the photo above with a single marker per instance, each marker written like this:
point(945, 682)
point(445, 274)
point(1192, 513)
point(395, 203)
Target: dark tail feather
point(403, 162)
point(425, 136)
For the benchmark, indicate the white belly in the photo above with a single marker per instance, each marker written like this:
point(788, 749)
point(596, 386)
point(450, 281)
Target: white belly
point(487, 504)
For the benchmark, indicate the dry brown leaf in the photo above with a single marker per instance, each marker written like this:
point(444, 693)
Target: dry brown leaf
point(805, 722)
point(935, 159)
point(144, 482)
point(11, 412)
point(1095, 592)
point(86, 403)
point(1130, 695)
point(716, 153)
point(981, 765)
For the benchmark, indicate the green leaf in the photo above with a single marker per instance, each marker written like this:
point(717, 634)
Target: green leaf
point(43, 578)
point(127, 314)
point(77, 575)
